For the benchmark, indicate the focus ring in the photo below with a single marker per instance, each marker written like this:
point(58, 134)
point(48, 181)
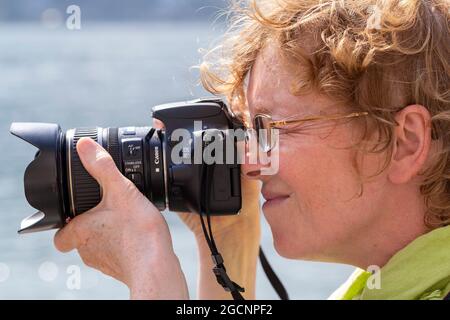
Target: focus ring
point(113, 147)
point(85, 189)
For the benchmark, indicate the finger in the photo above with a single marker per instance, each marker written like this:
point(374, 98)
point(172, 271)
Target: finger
point(68, 238)
point(251, 189)
point(98, 162)
point(157, 124)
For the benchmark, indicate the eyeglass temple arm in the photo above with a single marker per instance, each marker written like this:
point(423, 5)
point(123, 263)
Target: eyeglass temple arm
point(318, 118)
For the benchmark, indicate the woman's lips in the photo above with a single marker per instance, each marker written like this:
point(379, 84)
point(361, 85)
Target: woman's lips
point(273, 199)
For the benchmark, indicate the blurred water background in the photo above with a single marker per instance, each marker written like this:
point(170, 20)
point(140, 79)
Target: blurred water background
point(109, 73)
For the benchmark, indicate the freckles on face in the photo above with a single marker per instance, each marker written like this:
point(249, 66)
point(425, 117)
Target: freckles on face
point(308, 203)
point(322, 209)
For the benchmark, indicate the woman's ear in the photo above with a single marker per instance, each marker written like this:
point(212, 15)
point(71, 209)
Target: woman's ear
point(412, 141)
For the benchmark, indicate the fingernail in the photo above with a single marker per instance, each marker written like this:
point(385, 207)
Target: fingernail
point(87, 149)
point(254, 173)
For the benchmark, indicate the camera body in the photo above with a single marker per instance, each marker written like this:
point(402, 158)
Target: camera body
point(166, 170)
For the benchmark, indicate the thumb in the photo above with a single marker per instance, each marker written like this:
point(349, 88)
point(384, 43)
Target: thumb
point(98, 162)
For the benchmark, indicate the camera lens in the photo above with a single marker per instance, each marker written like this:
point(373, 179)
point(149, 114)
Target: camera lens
point(57, 183)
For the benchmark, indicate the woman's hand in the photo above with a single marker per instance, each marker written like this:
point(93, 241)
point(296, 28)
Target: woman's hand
point(246, 223)
point(237, 238)
point(125, 236)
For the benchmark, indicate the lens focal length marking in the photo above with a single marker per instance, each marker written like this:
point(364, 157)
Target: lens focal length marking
point(133, 162)
point(156, 170)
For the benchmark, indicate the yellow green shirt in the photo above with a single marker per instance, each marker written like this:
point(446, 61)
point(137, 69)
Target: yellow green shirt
point(420, 271)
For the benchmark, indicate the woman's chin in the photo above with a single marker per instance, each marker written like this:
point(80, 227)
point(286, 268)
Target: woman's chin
point(284, 251)
point(282, 244)
point(287, 250)
point(290, 246)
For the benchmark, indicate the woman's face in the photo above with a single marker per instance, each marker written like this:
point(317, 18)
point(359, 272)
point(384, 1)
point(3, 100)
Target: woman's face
point(312, 203)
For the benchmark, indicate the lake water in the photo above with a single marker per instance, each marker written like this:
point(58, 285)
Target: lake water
point(106, 75)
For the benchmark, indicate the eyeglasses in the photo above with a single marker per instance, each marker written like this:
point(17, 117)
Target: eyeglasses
point(264, 126)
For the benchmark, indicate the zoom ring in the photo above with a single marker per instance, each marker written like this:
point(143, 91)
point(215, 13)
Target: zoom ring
point(85, 189)
point(113, 146)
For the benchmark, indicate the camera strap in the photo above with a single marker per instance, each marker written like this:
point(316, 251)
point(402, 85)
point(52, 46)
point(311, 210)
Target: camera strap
point(219, 269)
point(271, 275)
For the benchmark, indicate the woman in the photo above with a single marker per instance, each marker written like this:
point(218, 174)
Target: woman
point(364, 174)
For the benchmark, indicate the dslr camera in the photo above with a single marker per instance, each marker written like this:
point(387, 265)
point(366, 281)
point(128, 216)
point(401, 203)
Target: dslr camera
point(164, 167)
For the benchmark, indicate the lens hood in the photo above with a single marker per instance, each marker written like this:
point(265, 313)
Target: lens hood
point(44, 176)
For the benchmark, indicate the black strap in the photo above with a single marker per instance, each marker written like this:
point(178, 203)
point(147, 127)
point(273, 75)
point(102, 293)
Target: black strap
point(447, 297)
point(219, 268)
point(273, 278)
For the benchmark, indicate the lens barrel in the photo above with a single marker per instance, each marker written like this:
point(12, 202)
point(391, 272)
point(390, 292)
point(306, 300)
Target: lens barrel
point(137, 153)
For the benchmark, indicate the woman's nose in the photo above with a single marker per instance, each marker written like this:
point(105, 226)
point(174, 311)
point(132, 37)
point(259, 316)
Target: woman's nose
point(253, 162)
point(256, 163)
